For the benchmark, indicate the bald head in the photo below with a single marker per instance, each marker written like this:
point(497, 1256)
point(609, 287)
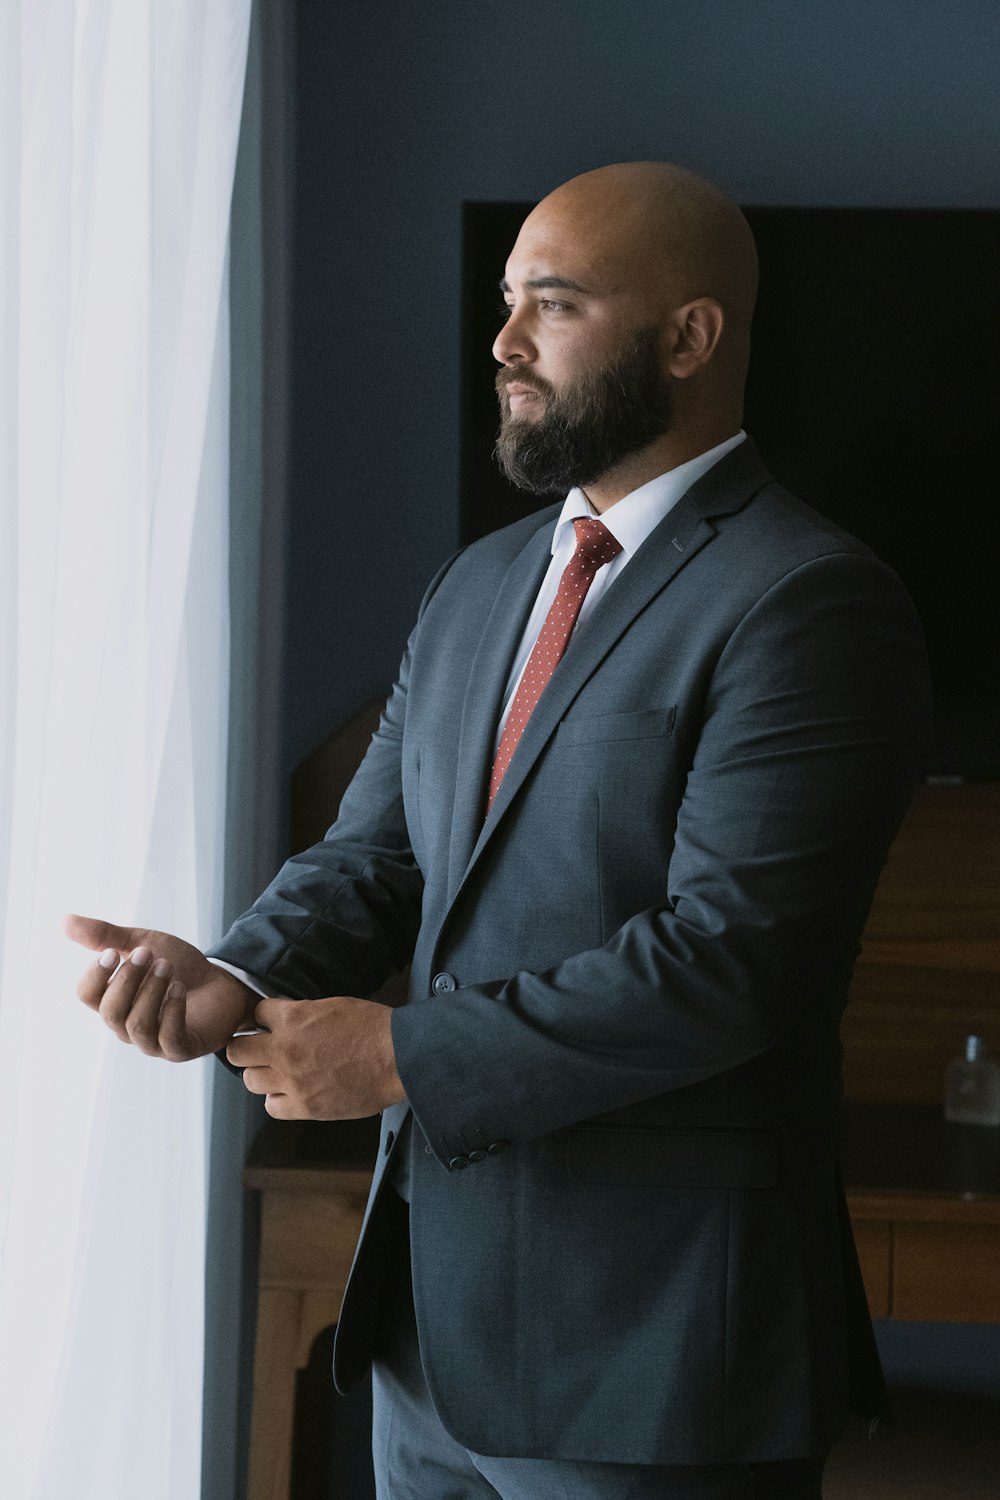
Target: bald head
point(658, 223)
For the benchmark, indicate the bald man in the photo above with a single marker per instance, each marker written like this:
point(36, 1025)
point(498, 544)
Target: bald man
point(623, 816)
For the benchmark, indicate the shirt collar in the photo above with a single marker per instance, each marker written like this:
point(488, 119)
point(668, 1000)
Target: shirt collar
point(631, 519)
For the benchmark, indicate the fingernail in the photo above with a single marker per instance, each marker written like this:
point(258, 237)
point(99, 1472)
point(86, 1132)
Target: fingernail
point(176, 991)
point(140, 957)
point(161, 968)
point(108, 959)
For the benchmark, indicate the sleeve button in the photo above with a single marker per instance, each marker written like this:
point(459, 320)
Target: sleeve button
point(443, 983)
point(495, 1147)
point(458, 1163)
point(477, 1155)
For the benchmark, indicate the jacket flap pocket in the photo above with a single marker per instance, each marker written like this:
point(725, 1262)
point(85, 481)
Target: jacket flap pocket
point(673, 1158)
point(644, 723)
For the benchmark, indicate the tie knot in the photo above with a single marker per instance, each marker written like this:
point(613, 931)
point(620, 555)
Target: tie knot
point(595, 545)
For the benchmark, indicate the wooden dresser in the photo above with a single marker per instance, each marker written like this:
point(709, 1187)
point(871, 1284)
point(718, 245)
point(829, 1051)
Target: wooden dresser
point(924, 1194)
point(929, 972)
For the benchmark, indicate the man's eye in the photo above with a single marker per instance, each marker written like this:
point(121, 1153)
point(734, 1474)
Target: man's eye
point(505, 310)
point(555, 306)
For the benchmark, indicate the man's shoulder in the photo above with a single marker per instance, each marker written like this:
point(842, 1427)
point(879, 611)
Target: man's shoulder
point(740, 496)
point(493, 553)
point(509, 540)
point(783, 521)
point(776, 536)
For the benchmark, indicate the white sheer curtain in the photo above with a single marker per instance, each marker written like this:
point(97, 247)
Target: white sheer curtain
point(118, 130)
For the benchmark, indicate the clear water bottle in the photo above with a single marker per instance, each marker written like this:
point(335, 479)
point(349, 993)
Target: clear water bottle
point(972, 1087)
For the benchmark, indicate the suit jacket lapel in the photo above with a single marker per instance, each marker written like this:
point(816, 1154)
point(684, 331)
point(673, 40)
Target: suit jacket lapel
point(670, 546)
point(484, 695)
point(652, 568)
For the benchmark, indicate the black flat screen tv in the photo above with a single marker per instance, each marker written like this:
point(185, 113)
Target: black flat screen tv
point(873, 394)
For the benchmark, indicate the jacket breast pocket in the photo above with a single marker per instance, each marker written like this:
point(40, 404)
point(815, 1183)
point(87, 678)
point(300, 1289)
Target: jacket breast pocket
point(706, 1158)
point(639, 724)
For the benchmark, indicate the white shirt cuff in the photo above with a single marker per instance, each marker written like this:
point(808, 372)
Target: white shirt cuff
point(250, 980)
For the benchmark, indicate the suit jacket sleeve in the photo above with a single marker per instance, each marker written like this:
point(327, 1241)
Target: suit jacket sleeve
point(814, 730)
point(342, 917)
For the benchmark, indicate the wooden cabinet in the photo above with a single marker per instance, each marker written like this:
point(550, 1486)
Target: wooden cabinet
point(924, 1197)
point(313, 1182)
point(873, 1238)
point(929, 1260)
point(929, 971)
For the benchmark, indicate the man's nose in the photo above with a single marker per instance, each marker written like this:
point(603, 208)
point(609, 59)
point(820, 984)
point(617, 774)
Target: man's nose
point(512, 344)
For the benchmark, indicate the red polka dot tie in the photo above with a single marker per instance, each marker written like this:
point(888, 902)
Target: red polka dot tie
point(595, 546)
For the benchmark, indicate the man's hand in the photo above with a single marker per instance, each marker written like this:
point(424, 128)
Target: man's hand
point(157, 992)
point(320, 1059)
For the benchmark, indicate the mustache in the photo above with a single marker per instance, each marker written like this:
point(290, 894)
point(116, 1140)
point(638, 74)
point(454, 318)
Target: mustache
point(512, 376)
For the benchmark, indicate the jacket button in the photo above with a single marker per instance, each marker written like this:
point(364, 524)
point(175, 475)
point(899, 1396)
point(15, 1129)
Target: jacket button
point(443, 984)
point(477, 1155)
point(390, 1137)
point(495, 1147)
point(458, 1163)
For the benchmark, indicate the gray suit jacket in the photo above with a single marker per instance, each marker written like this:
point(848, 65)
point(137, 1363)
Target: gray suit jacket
point(621, 1043)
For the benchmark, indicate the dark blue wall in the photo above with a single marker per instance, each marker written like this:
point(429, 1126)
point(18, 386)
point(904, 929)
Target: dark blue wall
point(408, 107)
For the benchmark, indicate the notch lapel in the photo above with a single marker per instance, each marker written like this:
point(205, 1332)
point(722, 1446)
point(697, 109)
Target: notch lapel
point(484, 695)
point(652, 568)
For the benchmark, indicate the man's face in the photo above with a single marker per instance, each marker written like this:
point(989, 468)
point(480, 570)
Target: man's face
point(571, 435)
point(583, 384)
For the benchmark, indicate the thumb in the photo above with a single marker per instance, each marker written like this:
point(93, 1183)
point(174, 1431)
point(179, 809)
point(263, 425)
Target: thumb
point(91, 932)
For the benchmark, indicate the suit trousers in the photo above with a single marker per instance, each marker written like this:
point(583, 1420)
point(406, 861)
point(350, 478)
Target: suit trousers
point(415, 1458)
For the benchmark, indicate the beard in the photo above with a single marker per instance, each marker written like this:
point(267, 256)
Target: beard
point(588, 427)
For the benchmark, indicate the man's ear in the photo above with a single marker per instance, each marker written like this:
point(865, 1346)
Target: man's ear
point(695, 331)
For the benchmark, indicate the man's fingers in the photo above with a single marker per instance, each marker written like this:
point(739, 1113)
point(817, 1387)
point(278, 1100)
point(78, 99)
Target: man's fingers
point(92, 932)
point(268, 1013)
point(110, 987)
point(258, 1080)
point(252, 1049)
point(142, 1024)
point(94, 982)
point(175, 1039)
point(123, 991)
